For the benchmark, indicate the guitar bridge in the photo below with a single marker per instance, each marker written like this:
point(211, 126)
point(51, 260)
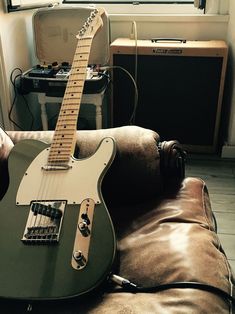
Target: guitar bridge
point(44, 222)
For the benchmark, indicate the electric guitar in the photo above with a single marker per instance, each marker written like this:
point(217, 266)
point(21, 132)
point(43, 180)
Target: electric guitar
point(56, 237)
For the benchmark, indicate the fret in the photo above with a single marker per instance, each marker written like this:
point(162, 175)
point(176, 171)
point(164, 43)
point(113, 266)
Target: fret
point(75, 84)
point(56, 148)
point(77, 76)
point(72, 97)
point(68, 114)
point(63, 133)
point(81, 58)
point(66, 128)
point(64, 136)
point(59, 138)
point(62, 153)
point(58, 161)
point(67, 118)
point(68, 110)
point(72, 89)
point(81, 46)
point(81, 63)
point(72, 93)
point(81, 53)
point(67, 125)
point(65, 115)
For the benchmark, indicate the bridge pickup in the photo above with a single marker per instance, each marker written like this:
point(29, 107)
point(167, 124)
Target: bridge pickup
point(44, 222)
point(46, 210)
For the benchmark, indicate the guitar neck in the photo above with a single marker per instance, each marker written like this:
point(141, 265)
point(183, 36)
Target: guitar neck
point(64, 139)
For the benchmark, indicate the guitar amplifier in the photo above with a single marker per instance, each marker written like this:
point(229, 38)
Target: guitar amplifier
point(55, 41)
point(180, 88)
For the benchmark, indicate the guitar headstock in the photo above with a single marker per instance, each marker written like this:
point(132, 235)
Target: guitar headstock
point(92, 24)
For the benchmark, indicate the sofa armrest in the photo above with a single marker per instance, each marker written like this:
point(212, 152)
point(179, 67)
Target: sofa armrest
point(143, 167)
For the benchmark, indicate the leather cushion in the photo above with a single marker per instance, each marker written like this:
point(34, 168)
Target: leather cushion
point(135, 173)
point(163, 241)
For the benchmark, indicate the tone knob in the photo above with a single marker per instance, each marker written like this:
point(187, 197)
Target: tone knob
point(79, 258)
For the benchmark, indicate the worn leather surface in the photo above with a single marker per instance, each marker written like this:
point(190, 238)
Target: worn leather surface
point(162, 241)
point(162, 238)
point(135, 172)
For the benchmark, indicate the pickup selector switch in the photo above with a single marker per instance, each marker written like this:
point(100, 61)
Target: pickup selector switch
point(83, 227)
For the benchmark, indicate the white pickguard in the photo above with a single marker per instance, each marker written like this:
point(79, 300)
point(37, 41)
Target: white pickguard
point(73, 185)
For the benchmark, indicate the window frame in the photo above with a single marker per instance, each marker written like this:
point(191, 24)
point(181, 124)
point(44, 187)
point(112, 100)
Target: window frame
point(140, 6)
point(217, 7)
point(184, 7)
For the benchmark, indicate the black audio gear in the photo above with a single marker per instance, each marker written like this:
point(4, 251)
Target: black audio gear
point(52, 79)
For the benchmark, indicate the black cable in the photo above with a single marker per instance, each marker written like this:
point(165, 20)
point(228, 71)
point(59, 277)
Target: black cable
point(107, 77)
point(128, 286)
point(15, 95)
point(13, 81)
point(131, 120)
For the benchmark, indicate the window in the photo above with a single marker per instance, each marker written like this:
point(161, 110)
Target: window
point(141, 6)
point(157, 6)
point(132, 6)
point(131, 1)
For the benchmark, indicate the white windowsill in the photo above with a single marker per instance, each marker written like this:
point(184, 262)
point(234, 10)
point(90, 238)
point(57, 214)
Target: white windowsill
point(170, 17)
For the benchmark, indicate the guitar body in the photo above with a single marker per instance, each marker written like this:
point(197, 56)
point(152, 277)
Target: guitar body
point(35, 264)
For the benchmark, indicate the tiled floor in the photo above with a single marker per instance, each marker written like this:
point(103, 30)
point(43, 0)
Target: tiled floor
point(219, 175)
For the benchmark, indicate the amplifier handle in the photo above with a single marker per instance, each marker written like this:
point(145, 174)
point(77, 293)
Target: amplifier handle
point(155, 40)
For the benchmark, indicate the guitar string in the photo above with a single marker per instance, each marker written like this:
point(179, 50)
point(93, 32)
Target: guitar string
point(60, 152)
point(38, 220)
point(64, 119)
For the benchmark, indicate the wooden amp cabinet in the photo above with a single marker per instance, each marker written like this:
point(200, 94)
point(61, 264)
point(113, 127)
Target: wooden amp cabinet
point(180, 86)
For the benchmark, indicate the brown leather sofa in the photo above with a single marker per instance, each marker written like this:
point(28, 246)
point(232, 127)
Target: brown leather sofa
point(167, 241)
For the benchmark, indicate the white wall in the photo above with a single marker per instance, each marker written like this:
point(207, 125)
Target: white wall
point(15, 34)
point(189, 27)
point(18, 51)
